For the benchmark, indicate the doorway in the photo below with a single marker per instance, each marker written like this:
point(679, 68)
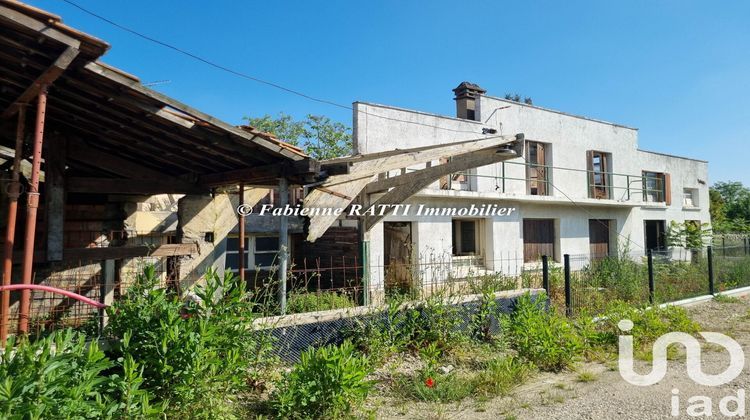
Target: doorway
point(397, 257)
point(599, 238)
point(655, 234)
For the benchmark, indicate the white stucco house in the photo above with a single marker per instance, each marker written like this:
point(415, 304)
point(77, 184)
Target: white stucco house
point(584, 188)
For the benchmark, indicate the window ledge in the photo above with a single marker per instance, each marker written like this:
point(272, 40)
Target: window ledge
point(691, 208)
point(656, 206)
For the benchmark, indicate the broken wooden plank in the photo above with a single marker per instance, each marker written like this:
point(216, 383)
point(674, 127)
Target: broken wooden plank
point(118, 252)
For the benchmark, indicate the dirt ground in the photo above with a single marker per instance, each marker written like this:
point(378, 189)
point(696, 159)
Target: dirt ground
point(607, 395)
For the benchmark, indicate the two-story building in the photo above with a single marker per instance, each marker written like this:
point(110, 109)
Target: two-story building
point(583, 187)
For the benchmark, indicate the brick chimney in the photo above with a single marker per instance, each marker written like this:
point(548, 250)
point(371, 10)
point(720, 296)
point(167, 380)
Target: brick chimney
point(466, 95)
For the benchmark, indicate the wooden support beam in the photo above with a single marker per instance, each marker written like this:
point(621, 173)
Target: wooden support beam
point(8, 14)
point(338, 191)
point(263, 173)
point(409, 184)
point(269, 146)
point(47, 77)
point(410, 157)
point(81, 152)
point(54, 180)
point(162, 185)
point(118, 252)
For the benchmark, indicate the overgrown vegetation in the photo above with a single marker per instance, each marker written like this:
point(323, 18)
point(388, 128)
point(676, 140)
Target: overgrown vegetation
point(62, 376)
point(543, 337)
point(199, 356)
point(326, 383)
point(300, 301)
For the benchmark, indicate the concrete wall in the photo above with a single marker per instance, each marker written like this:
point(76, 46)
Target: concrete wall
point(381, 128)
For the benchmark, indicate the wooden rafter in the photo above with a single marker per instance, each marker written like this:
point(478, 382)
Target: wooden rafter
point(48, 76)
point(129, 186)
point(339, 191)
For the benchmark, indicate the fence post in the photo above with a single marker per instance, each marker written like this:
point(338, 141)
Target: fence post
point(568, 297)
point(723, 247)
point(651, 286)
point(545, 274)
point(710, 270)
point(745, 241)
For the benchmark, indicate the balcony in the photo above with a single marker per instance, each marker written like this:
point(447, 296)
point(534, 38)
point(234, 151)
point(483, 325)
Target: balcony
point(555, 185)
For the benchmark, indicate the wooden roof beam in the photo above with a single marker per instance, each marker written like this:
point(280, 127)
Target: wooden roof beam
point(128, 186)
point(269, 146)
point(47, 77)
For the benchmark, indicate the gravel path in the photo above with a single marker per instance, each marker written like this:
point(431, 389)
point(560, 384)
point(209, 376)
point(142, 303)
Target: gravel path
point(561, 396)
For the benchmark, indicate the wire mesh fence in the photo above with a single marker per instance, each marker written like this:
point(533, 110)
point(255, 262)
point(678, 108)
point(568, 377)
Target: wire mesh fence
point(575, 283)
point(588, 283)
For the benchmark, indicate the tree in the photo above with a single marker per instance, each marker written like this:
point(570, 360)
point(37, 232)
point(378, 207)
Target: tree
point(317, 135)
point(730, 207)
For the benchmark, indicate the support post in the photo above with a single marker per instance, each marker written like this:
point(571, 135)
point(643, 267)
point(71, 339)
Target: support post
point(366, 271)
point(568, 297)
point(31, 210)
point(545, 274)
point(283, 243)
point(651, 286)
point(106, 291)
point(55, 151)
point(711, 288)
point(14, 191)
point(241, 227)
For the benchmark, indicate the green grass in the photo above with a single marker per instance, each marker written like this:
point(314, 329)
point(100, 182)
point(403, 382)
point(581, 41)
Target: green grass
point(726, 299)
point(303, 301)
point(586, 376)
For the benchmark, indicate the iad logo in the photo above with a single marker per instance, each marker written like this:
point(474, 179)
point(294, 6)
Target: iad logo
point(699, 405)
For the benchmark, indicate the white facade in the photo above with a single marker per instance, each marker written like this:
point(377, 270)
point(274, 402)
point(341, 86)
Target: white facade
point(566, 141)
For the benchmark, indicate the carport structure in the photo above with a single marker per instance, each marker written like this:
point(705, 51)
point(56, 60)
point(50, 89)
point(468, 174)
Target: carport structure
point(90, 132)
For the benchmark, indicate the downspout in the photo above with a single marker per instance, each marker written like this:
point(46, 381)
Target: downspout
point(31, 210)
point(14, 191)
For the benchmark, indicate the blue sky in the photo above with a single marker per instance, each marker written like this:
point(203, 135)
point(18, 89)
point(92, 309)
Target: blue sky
point(677, 70)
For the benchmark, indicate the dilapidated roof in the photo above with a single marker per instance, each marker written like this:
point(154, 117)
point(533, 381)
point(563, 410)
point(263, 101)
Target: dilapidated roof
point(118, 129)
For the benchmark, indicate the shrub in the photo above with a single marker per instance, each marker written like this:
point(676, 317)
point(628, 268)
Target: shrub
point(61, 376)
point(648, 324)
point(304, 301)
point(326, 383)
point(542, 337)
point(407, 326)
point(197, 356)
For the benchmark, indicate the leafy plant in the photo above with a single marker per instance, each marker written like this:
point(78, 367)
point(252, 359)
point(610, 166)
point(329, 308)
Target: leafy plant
point(326, 383)
point(196, 356)
point(63, 376)
point(542, 337)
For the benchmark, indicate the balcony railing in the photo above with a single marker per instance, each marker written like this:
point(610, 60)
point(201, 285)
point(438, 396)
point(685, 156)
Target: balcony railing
point(613, 185)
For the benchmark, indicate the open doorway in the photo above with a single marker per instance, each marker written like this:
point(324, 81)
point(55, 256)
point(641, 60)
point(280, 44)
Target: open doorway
point(397, 257)
point(655, 235)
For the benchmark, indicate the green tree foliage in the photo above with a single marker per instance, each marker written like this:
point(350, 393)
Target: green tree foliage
point(730, 207)
point(320, 137)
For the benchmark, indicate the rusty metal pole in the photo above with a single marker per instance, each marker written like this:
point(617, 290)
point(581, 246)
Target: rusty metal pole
point(241, 249)
point(14, 191)
point(31, 209)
